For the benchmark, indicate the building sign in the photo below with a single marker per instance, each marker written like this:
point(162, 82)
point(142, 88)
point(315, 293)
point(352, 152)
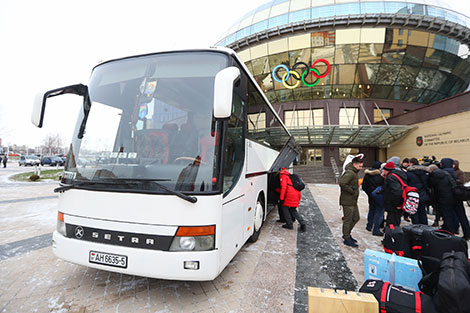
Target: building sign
point(310, 76)
point(441, 139)
point(419, 141)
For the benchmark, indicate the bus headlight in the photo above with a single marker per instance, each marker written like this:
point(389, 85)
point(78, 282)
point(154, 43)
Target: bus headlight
point(194, 238)
point(61, 224)
point(199, 243)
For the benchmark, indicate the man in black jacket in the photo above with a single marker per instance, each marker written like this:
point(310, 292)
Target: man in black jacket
point(372, 180)
point(392, 193)
point(447, 165)
point(417, 176)
point(441, 182)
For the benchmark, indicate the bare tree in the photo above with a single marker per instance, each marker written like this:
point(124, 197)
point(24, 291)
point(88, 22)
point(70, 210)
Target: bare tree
point(52, 144)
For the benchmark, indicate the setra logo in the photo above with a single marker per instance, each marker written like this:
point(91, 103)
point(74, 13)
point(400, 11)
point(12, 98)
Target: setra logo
point(296, 73)
point(79, 232)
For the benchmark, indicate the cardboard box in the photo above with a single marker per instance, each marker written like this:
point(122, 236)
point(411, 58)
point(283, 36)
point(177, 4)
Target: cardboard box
point(331, 301)
point(392, 268)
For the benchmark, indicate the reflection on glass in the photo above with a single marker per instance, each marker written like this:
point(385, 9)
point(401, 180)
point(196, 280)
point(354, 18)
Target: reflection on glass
point(344, 74)
point(342, 91)
point(398, 92)
point(432, 58)
point(260, 66)
point(418, 38)
point(379, 115)
point(265, 81)
point(346, 53)
point(414, 56)
point(413, 95)
point(448, 62)
point(320, 39)
point(381, 92)
point(426, 96)
point(302, 55)
point(370, 53)
point(387, 74)
point(395, 38)
point(407, 76)
point(366, 74)
point(302, 94)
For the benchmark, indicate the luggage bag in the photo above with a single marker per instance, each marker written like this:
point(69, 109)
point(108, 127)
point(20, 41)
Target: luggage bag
point(394, 299)
point(394, 241)
point(414, 239)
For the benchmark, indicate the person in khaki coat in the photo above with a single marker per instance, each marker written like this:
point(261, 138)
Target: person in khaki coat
point(348, 199)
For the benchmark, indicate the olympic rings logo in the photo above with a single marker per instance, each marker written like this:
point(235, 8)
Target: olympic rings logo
point(312, 70)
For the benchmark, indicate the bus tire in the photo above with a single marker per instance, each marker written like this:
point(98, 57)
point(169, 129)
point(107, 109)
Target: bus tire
point(258, 219)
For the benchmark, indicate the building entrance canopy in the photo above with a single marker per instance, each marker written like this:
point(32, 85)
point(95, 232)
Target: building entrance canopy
point(376, 136)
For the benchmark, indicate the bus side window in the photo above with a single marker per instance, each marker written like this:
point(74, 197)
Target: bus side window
point(234, 152)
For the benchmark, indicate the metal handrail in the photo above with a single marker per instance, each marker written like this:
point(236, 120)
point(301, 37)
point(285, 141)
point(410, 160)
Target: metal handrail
point(335, 169)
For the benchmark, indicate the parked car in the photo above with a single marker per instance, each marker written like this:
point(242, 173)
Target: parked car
point(52, 161)
point(26, 160)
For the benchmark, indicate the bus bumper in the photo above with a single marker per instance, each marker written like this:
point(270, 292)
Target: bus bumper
point(140, 262)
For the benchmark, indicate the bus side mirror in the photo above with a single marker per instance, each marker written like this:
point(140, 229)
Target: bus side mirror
point(223, 91)
point(37, 116)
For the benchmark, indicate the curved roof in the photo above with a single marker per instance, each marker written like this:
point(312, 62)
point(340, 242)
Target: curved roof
point(281, 12)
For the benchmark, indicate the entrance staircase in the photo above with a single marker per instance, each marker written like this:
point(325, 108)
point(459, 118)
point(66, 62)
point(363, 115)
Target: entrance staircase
point(315, 174)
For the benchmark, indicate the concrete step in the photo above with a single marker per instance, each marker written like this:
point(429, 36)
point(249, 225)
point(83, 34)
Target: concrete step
point(315, 174)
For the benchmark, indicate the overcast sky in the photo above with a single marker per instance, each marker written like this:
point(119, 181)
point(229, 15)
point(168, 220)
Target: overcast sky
point(53, 43)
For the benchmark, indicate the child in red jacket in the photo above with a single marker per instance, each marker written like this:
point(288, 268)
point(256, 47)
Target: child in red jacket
point(290, 199)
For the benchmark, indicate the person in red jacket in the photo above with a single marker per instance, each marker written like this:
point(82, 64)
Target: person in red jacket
point(290, 199)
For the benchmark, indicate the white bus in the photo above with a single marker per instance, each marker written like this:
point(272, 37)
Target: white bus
point(167, 174)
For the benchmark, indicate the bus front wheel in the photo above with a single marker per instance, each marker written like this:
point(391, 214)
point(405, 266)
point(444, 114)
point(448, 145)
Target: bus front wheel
point(258, 220)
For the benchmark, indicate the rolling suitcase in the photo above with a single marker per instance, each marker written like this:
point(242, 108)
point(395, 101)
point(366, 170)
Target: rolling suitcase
point(394, 241)
point(437, 242)
point(394, 299)
point(414, 239)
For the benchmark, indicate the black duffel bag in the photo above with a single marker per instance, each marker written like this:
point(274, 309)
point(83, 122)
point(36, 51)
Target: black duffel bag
point(453, 286)
point(395, 299)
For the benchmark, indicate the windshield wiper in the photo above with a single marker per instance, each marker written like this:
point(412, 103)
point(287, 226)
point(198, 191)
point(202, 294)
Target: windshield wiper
point(63, 188)
point(118, 181)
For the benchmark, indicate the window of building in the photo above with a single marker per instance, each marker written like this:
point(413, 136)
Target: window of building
point(349, 116)
point(378, 117)
point(256, 121)
point(303, 118)
point(344, 152)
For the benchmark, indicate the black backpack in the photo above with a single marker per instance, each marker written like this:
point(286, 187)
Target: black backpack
point(453, 286)
point(297, 182)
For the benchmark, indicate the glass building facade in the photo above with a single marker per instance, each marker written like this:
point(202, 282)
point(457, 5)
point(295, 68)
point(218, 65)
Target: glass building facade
point(394, 63)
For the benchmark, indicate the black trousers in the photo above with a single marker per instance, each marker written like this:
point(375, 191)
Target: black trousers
point(393, 217)
point(462, 218)
point(291, 214)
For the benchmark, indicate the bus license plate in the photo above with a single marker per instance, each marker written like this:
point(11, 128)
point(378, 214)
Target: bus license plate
point(108, 259)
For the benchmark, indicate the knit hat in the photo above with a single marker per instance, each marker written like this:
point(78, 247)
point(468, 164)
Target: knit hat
point(406, 160)
point(376, 165)
point(389, 166)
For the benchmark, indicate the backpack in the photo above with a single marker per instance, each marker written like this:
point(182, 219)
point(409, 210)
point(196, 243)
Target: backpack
point(297, 182)
point(410, 197)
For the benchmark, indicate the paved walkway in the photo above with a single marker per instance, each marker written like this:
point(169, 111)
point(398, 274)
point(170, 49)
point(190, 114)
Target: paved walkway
point(271, 275)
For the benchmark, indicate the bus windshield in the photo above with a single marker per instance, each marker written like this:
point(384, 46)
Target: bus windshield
point(149, 125)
